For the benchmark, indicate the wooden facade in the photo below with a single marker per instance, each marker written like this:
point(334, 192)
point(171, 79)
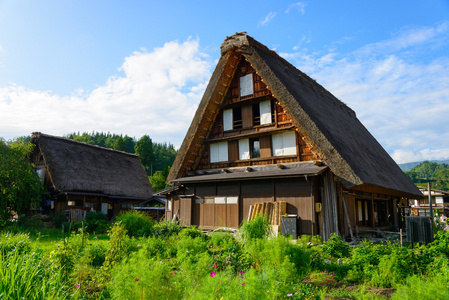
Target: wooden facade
point(266, 132)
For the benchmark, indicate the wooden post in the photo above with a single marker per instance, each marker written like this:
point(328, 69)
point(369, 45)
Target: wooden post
point(400, 233)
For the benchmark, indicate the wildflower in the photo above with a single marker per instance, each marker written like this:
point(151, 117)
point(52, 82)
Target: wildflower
point(188, 251)
point(289, 295)
point(137, 279)
point(174, 272)
point(242, 272)
point(213, 274)
point(243, 284)
point(77, 285)
point(218, 291)
point(96, 238)
point(139, 245)
point(215, 267)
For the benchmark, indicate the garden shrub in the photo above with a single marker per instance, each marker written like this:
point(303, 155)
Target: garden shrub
point(230, 255)
point(278, 251)
point(59, 219)
point(220, 238)
point(258, 228)
point(166, 228)
point(160, 248)
point(136, 223)
point(193, 232)
point(335, 248)
point(97, 254)
point(96, 222)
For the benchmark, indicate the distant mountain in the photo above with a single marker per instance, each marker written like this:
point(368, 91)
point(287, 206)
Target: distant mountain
point(410, 165)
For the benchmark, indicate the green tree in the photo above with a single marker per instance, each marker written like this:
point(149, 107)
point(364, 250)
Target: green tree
point(20, 186)
point(430, 170)
point(119, 144)
point(158, 179)
point(144, 148)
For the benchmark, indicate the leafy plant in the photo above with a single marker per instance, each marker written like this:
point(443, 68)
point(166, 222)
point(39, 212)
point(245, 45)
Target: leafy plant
point(135, 222)
point(335, 247)
point(258, 228)
point(166, 228)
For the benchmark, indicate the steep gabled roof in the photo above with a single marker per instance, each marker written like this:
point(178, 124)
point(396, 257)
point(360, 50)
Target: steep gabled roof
point(329, 125)
point(80, 167)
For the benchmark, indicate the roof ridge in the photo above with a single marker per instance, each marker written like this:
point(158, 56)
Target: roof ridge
point(40, 134)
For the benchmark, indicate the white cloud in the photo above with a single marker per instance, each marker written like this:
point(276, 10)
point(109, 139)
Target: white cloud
point(300, 6)
point(157, 95)
point(402, 100)
point(267, 19)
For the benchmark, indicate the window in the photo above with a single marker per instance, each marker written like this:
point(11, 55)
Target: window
point(284, 143)
point(246, 85)
point(218, 152)
point(364, 213)
point(262, 113)
point(127, 205)
point(168, 204)
point(225, 200)
point(232, 118)
point(265, 112)
point(255, 148)
point(244, 149)
point(227, 119)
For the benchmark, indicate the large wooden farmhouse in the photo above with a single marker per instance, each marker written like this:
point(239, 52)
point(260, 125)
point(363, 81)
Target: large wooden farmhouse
point(82, 177)
point(266, 132)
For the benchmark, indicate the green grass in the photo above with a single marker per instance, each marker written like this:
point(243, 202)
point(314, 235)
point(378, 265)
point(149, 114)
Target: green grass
point(190, 264)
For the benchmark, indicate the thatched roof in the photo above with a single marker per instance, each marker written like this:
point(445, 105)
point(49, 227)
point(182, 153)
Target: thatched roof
point(329, 125)
point(79, 167)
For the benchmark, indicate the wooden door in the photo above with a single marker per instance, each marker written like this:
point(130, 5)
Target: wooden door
point(185, 211)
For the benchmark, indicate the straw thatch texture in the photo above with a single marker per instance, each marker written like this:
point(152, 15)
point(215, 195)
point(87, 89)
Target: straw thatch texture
point(330, 126)
point(79, 167)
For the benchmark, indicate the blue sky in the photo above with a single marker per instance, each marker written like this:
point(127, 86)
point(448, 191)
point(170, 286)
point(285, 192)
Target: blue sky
point(140, 67)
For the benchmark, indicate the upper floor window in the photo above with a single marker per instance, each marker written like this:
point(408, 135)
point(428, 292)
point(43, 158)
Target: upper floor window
point(218, 152)
point(262, 113)
point(284, 143)
point(246, 85)
point(232, 118)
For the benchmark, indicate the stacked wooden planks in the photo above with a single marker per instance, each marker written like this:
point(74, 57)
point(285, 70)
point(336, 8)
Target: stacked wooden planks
point(272, 211)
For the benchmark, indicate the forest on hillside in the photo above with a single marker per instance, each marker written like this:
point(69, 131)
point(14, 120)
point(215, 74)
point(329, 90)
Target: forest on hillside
point(437, 173)
point(156, 158)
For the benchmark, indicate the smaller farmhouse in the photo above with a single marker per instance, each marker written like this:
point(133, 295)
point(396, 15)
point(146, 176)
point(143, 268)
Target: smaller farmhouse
point(82, 178)
point(267, 138)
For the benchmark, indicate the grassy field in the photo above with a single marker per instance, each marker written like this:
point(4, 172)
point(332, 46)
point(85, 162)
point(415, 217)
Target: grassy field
point(164, 261)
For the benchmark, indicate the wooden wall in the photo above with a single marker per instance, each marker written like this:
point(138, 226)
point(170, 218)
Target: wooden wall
point(297, 192)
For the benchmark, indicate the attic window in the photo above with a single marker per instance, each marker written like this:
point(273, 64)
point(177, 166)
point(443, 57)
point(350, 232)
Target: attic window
point(218, 152)
point(244, 149)
point(232, 118)
point(284, 143)
point(246, 85)
point(262, 113)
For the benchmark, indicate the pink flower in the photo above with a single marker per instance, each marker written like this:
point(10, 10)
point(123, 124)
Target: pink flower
point(188, 251)
point(213, 274)
point(96, 238)
point(243, 284)
point(242, 272)
point(289, 295)
point(218, 291)
point(138, 246)
point(77, 285)
point(137, 279)
point(174, 272)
